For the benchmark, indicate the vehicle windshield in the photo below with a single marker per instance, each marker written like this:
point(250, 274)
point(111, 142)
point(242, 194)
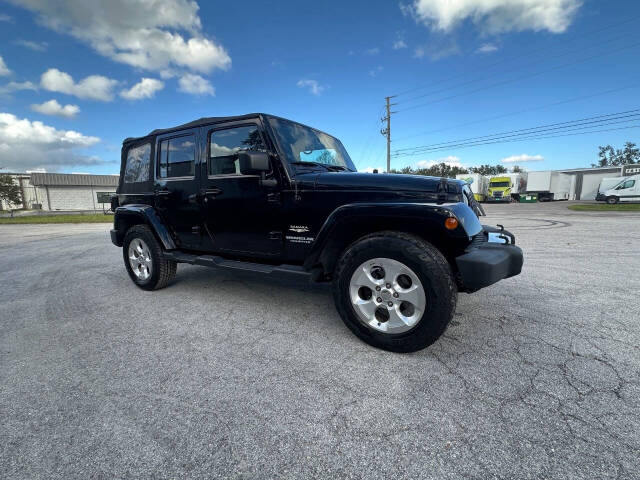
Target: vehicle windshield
point(304, 144)
point(499, 184)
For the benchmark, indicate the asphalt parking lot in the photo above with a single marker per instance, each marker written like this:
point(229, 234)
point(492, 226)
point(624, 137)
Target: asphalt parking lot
point(226, 375)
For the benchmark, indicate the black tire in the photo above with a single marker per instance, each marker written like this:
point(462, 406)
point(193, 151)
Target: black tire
point(612, 200)
point(433, 271)
point(162, 271)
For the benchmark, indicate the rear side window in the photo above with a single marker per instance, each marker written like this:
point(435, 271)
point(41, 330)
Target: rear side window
point(177, 157)
point(137, 167)
point(224, 146)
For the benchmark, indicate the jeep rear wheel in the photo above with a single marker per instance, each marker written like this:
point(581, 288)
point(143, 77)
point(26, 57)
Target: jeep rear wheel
point(395, 291)
point(144, 261)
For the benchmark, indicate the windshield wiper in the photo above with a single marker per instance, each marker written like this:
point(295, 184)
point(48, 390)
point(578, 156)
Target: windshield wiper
point(330, 168)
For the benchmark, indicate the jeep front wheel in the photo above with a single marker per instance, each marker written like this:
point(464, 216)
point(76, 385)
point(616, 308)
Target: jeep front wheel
point(144, 261)
point(395, 291)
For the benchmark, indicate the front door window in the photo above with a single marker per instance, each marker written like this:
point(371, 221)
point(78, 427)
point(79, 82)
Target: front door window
point(225, 144)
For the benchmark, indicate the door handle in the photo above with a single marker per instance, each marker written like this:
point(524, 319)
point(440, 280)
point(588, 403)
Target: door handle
point(163, 193)
point(211, 192)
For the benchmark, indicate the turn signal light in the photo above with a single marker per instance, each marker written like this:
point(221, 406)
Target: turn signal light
point(451, 223)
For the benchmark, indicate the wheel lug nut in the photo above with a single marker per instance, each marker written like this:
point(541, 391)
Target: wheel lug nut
point(395, 294)
point(378, 288)
point(379, 300)
point(388, 285)
point(390, 304)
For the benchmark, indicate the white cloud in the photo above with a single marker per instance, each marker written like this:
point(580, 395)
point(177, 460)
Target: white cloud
point(52, 107)
point(27, 145)
point(522, 158)
point(35, 46)
point(372, 51)
point(487, 48)
point(94, 87)
point(5, 18)
point(152, 35)
point(4, 70)
point(496, 16)
point(15, 86)
point(451, 160)
point(399, 44)
point(196, 85)
point(314, 87)
point(145, 88)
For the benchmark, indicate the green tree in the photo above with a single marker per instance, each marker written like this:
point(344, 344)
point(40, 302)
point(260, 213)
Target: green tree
point(517, 169)
point(437, 170)
point(612, 157)
point(488, 169)
point(9, 191)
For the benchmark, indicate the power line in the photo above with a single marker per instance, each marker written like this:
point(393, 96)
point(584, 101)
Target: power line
point(520, 136)
point(543, 137)
point(522, 55)
point(367, 145)
point(540, 128)
point(528, 75)
point(518, 112)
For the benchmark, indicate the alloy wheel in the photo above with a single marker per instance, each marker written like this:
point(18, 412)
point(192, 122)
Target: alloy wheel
point(387, 295)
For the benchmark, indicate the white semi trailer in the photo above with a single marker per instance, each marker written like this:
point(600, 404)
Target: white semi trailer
point(477, 182)
point(549, 185)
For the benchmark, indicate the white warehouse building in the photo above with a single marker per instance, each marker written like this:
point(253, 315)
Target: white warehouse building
point(64, 191)
point(585, 181)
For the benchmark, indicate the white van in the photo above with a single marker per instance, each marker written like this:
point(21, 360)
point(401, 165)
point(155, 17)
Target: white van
point(607, 184)
point(626, 191)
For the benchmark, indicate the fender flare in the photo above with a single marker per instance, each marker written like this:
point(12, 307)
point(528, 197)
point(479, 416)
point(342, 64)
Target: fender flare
point(425, 214)
point(150, 217)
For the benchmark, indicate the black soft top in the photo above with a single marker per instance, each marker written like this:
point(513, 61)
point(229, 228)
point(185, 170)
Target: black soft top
point(196, 123)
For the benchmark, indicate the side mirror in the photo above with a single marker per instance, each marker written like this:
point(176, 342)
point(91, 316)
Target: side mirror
point(252, 163)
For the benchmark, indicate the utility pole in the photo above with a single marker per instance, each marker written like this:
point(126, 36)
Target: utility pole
point(387, 131)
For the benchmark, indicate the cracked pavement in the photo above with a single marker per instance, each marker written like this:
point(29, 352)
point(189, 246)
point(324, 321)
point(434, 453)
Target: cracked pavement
point(235, 375)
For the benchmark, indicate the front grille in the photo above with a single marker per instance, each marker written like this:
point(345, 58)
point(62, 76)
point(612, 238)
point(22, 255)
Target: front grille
point(497, 194)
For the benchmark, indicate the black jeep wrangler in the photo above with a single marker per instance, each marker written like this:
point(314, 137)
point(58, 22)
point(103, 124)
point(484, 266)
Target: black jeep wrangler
point(258, 192)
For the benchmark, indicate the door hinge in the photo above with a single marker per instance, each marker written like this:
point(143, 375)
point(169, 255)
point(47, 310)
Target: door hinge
point(275, 235)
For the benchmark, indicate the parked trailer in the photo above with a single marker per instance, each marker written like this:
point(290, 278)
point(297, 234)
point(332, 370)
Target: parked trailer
point(478, 184)
point(607, 184)
point(549, 185)
point(506, 187)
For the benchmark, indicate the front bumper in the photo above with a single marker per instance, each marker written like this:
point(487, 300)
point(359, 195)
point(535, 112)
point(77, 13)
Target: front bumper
point(485, 263)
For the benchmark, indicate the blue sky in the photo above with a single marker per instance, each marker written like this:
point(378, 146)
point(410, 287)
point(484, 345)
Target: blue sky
point(78, 76)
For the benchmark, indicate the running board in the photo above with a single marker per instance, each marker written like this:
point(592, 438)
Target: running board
point(219, 262)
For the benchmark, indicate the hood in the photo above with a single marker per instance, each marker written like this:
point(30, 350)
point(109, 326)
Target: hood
point(379, 182)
